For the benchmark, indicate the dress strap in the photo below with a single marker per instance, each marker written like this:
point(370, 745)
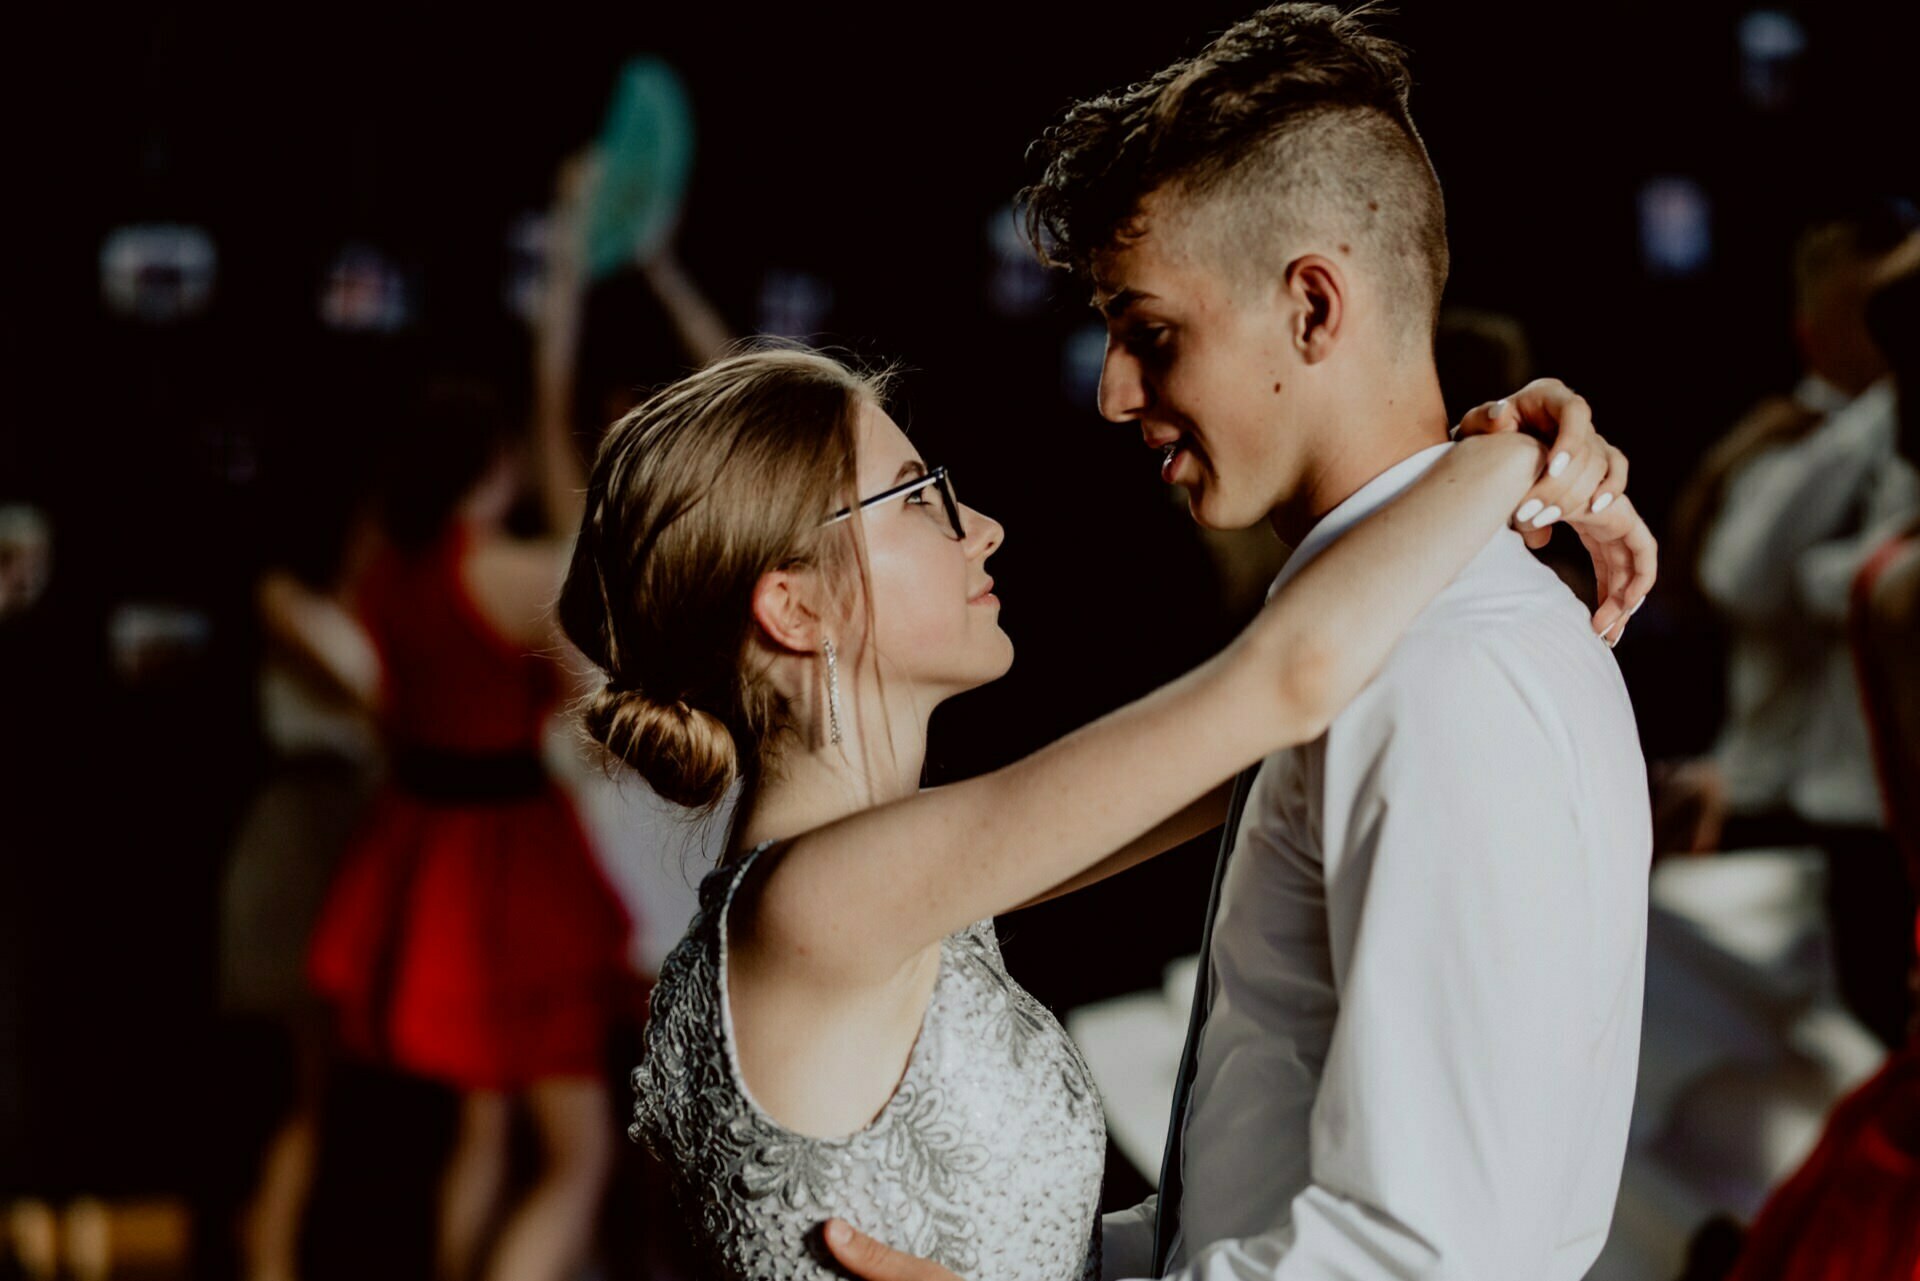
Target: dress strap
point(718, 886)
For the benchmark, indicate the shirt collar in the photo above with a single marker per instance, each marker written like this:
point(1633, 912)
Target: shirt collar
point(1819, 395)
point(1359, 505)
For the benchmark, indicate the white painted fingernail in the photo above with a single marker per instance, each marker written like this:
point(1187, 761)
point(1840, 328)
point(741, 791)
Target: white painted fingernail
point(1559, 463)
point(1601, 503)
point(1546, 518)
point(1636, 607)
point(1499, 409)
point(1528, 509)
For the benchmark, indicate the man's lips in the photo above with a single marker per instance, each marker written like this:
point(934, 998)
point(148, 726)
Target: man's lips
point(1179, 455)
point(1179, 462)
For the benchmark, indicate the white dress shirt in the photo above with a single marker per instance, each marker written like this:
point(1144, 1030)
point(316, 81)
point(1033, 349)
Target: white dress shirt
point(1796, 523)
point(1427, 968)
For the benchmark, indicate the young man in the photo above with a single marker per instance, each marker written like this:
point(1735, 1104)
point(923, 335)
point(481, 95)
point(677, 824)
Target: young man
point(1416, 1031)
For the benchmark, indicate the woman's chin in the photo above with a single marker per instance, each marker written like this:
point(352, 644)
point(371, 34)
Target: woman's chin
point(999, 664)
point(990, 668)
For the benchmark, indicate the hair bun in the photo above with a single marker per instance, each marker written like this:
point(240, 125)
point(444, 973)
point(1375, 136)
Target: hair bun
point(686, 755)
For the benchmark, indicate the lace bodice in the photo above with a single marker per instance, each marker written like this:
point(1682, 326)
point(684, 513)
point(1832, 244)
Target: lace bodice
point(987, 1159)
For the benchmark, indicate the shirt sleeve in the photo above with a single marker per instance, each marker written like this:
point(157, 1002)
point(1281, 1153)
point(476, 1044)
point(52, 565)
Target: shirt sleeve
point(1452, 1112)
point(1126, 1241)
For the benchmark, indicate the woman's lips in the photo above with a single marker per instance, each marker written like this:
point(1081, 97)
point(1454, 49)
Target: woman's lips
point(984, 596)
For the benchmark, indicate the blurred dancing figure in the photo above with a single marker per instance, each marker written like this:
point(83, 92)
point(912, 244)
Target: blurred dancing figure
point(1853, 1210)
point(472, 938)
point(319, 674)
point(1774, 528)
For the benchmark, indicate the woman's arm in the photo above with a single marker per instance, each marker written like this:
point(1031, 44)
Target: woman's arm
point(556, 341)
point(696, 321)
point(1621, 546)
point(321, 635)
point(559, 470)
point(852, 901)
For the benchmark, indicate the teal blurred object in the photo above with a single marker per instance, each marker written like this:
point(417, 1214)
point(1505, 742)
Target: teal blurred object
point(646, 155)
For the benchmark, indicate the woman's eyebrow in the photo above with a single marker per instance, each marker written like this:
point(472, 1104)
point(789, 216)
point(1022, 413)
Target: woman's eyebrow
point(912, 467)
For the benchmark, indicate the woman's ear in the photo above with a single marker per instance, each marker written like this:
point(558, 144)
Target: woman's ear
point(782, 608)
point(1318, 289)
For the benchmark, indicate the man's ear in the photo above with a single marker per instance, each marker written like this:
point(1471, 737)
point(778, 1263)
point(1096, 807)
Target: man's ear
point(1318, 290)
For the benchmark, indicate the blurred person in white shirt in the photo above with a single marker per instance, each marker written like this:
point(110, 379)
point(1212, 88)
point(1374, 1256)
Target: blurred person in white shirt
point(1773, 530)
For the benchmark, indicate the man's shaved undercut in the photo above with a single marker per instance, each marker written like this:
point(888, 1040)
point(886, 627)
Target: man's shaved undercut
point(1289, 133)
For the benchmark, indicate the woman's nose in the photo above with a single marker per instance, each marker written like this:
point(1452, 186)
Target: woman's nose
point(984, 533)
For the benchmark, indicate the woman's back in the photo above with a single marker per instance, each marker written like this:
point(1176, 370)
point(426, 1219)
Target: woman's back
point(454, 681)
point(988, 1158)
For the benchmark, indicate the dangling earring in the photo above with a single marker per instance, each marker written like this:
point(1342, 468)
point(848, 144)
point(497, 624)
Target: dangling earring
point(833, 695)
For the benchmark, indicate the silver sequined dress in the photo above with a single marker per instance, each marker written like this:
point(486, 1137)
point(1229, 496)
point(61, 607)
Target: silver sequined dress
point(988, 1158)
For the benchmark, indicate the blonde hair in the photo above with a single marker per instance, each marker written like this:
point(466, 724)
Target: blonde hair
point(696, 494)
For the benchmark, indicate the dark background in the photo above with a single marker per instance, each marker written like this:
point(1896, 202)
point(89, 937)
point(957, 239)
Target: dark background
point(865, 145)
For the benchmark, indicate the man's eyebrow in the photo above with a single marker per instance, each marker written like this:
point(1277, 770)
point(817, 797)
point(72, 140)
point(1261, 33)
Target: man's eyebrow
point(1118, 304)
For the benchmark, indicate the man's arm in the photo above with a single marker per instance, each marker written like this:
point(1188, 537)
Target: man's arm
point(1126, 1241)
point(1196, 820)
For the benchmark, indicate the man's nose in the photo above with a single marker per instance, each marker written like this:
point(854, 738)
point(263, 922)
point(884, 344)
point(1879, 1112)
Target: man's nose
point(1123, 392)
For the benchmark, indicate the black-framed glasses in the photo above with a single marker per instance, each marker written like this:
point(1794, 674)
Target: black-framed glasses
point(937, 479)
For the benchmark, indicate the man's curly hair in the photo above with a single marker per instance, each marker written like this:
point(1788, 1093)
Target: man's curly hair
point(1295, 119)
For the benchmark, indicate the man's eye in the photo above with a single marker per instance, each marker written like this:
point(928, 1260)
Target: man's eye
point(1145, 338)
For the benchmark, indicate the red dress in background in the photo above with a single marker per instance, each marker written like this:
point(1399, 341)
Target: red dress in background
point(470, 937)
point(1852, 1211)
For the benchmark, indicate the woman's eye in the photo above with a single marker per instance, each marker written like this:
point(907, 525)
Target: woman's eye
point(919, 498)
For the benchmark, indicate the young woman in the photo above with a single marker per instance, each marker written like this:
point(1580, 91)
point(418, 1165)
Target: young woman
point(470, 938)
point(780, 589)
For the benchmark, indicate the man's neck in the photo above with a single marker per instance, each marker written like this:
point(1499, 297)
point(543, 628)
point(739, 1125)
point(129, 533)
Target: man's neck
point(1388, 427)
